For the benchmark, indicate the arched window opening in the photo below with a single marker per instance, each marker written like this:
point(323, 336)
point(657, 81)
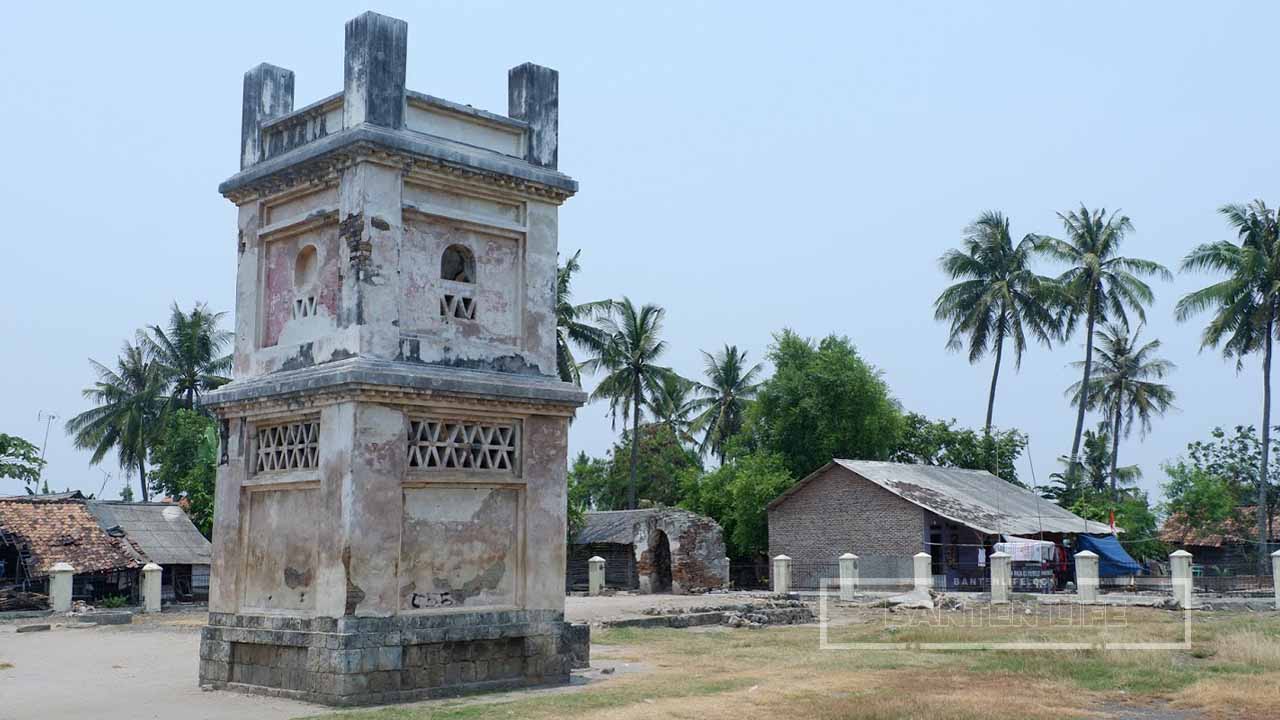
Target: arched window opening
point(458, 264)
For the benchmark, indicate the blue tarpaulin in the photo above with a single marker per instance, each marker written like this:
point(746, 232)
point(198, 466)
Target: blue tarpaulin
point(1113, 561)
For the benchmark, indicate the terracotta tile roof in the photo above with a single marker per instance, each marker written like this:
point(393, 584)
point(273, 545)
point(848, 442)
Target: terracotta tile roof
point(1242, 528)
point(64, 531)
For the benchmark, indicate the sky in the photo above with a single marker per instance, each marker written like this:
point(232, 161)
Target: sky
point(747, 166)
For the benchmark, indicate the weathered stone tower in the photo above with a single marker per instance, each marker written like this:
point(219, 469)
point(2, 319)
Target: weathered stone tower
point(390, 519)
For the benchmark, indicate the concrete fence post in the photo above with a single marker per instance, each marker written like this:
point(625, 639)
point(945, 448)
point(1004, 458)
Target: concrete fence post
point(1087, 577)
point(151, 587)
point(1001, 577)
point(728, 573)
point(595, 575)
point(1180, 568)
point(848, 576)
point(922, 564)
point(781, 575)
point(1275, 575)
point(60, 586)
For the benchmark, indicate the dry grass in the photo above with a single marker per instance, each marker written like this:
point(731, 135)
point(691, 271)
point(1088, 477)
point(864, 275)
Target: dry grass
point(1233, 671)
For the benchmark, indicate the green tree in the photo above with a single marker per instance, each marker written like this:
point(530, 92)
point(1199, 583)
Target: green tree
point(730, 386)
point(934, 442)
point(630, 357)
point(1091, 474)
point(674, 405)
point(822, 402)
point(19, 459)
point(1099, 286)
point(605, 484)
point(1124, 386)
point(126, 493)
point(186, 458)
point(1236, 459)
point(997, 296)
point(1203, 499)
point(1244, 308)
point(190, 353)
point(736, 494)
point(573, 326)
point(1133, 514)
point(129, 404)
point(583, 474)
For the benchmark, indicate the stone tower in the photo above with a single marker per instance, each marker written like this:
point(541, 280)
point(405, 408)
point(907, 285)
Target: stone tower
point(390, 517)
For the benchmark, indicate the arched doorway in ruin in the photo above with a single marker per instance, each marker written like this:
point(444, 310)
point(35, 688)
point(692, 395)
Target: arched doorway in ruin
point(661, 549)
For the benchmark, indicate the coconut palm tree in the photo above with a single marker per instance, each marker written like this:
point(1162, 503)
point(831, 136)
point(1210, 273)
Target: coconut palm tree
point(572, 326)
point(1099, 286)
point(674, 406)
point(1124, 385)
point(130, 404)
point(721, 409)
point(189, 353)
point(1244, 309)
point(998, 296)
point(1094, 472)
point(630, 357)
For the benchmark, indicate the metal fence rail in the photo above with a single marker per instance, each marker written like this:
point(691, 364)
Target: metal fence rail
point(1233, 578)
point(748, 574)
point(811, 575)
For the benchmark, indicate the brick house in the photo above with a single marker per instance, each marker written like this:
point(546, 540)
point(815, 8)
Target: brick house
point(887, 512)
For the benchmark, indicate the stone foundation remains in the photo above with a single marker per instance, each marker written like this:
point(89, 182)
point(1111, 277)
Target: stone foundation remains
point(364, 661)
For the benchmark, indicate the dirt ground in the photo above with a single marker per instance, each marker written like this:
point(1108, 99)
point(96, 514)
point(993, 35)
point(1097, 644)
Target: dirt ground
point(148, 670)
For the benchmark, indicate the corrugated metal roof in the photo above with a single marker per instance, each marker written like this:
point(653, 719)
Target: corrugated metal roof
point(975, 498)
point(618, 526)
point(162, 531)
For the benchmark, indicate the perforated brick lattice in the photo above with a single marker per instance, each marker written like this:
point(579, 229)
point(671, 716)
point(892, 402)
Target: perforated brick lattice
point(288, 446)
point(461, 444)
point(457, 306)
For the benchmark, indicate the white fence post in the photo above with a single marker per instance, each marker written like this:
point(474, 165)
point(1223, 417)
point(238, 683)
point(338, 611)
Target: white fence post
point(781, 575)
point(151, 587)
point(848, 576)
point(1087, 577)
point(1180, 567)
point(728, 574)
point(1275, 575)
point(60, 586)
point(595, 575)
point(922, 563)
point(1001, 577)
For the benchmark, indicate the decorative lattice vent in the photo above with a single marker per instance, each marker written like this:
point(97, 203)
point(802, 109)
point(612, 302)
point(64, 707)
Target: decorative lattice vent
point(436, 444)
point(288, 446)
point(457, 306)
point(304, 307)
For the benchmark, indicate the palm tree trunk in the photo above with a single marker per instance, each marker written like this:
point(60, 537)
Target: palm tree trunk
point(1266, 445)
point(1084, 388)
point(635, 445)
point(995, 375)
point(1115, 450)
point(142, 480)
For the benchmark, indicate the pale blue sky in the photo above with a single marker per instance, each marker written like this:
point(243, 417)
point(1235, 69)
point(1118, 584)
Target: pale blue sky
point(747, 166)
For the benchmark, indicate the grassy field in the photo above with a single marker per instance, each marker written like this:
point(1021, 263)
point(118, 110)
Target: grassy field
point(1231, 670)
